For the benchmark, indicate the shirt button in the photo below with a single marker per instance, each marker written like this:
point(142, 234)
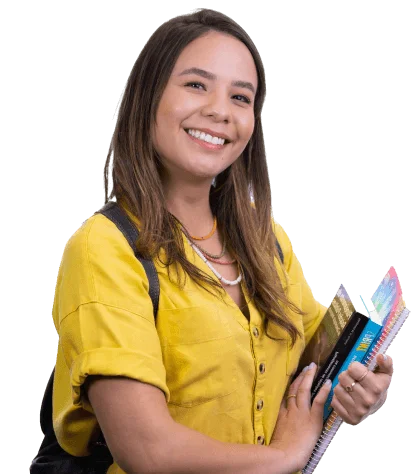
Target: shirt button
point(255, 332)
point(259, 405)
point(260, 440)
point(262, 368)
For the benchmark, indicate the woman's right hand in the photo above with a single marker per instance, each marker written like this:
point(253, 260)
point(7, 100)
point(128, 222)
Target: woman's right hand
point(299, 424)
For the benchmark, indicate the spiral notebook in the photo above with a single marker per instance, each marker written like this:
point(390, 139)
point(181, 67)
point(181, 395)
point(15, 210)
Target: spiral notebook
point(390, 306)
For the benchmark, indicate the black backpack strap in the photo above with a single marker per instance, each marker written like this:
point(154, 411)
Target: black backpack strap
point(280, 252)
point(118, 216)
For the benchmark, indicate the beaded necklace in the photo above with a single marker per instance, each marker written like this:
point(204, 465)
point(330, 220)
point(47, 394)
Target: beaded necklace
point(220, 262)
point(192, 239)
point(218, 275)
point(209, 234)
point(206, 256)
point(220, 255)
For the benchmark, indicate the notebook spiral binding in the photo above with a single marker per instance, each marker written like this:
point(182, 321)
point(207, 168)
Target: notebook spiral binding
point(334, 421)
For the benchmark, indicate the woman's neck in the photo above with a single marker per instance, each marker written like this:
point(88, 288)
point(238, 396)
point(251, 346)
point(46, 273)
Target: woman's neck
point(190, 204)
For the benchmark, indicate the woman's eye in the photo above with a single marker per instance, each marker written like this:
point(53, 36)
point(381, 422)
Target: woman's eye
point(191, 84)
point(245, 99)
point(198, 85)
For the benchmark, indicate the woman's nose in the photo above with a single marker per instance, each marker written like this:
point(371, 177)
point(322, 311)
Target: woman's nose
point(218, 107)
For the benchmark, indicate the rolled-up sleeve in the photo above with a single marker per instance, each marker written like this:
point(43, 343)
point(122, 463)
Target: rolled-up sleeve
point(98, 339)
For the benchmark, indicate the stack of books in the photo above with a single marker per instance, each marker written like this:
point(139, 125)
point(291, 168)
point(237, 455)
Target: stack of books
point(349, 332)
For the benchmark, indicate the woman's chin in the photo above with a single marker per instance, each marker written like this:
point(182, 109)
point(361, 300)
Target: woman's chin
point(203, 171)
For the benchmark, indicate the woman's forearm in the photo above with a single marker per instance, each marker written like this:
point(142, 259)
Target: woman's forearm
point(187, 451)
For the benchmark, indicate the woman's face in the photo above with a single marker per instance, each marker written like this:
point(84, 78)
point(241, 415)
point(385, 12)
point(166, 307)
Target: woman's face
point(211, 90)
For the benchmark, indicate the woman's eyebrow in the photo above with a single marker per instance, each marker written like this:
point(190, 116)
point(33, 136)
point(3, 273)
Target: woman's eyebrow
point(211, 76)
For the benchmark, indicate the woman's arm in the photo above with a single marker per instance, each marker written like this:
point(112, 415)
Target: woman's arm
point(143, 438)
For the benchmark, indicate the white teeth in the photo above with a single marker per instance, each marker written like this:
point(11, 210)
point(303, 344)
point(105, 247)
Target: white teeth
point(206, 137)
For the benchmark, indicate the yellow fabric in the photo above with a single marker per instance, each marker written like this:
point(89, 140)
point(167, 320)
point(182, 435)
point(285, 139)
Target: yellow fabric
point(202, 352)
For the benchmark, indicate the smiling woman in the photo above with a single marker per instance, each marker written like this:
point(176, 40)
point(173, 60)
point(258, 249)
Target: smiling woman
point(216, 108)
point(196, 380)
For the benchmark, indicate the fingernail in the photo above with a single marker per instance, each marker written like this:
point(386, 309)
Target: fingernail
point(312, 365)
point(328, 382)
point(385, 357)
point(305, 368)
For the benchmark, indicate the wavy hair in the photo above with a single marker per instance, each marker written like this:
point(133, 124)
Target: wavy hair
point(136, 173)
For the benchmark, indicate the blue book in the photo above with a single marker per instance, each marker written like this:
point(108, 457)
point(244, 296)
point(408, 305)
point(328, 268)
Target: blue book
point(367, 339)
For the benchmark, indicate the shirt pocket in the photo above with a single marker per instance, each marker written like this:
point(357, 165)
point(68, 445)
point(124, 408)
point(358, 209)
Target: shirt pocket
point(281, 336)
point(199, 354)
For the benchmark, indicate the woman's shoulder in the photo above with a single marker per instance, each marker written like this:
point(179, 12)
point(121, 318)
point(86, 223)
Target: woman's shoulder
point(96, 235)
point(97, 247)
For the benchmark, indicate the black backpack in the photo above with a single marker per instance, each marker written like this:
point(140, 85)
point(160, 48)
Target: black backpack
point(52, 458)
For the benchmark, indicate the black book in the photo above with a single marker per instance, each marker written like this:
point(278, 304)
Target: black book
point(335, 360)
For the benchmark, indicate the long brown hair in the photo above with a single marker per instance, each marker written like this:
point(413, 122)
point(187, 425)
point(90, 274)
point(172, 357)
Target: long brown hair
point(137, 170)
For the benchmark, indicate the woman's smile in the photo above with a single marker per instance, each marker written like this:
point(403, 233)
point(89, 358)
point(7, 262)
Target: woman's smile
point(205, 140)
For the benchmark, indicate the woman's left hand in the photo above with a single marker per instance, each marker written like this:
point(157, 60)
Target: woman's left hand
point(361, 392)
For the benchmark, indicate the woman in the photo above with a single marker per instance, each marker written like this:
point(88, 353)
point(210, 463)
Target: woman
point(207, 386)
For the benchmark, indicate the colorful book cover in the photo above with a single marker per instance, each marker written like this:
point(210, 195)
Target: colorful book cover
point(387, 298)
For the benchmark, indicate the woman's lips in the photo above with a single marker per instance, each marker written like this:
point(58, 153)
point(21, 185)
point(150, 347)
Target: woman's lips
point(208, 146)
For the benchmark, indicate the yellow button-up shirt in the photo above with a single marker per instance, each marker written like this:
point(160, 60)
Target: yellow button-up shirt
point(221, 374)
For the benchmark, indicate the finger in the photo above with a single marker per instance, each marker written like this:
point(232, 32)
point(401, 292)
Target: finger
point(345, 398)
point(304, 389)
point(296, 383)
point(347, 381)
point(373, 384)
point(385, 365)
point(292, 390)
point(290, 399)
point(360, 374)
point(318, 403)
point(341, 410)
point(357, 371)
